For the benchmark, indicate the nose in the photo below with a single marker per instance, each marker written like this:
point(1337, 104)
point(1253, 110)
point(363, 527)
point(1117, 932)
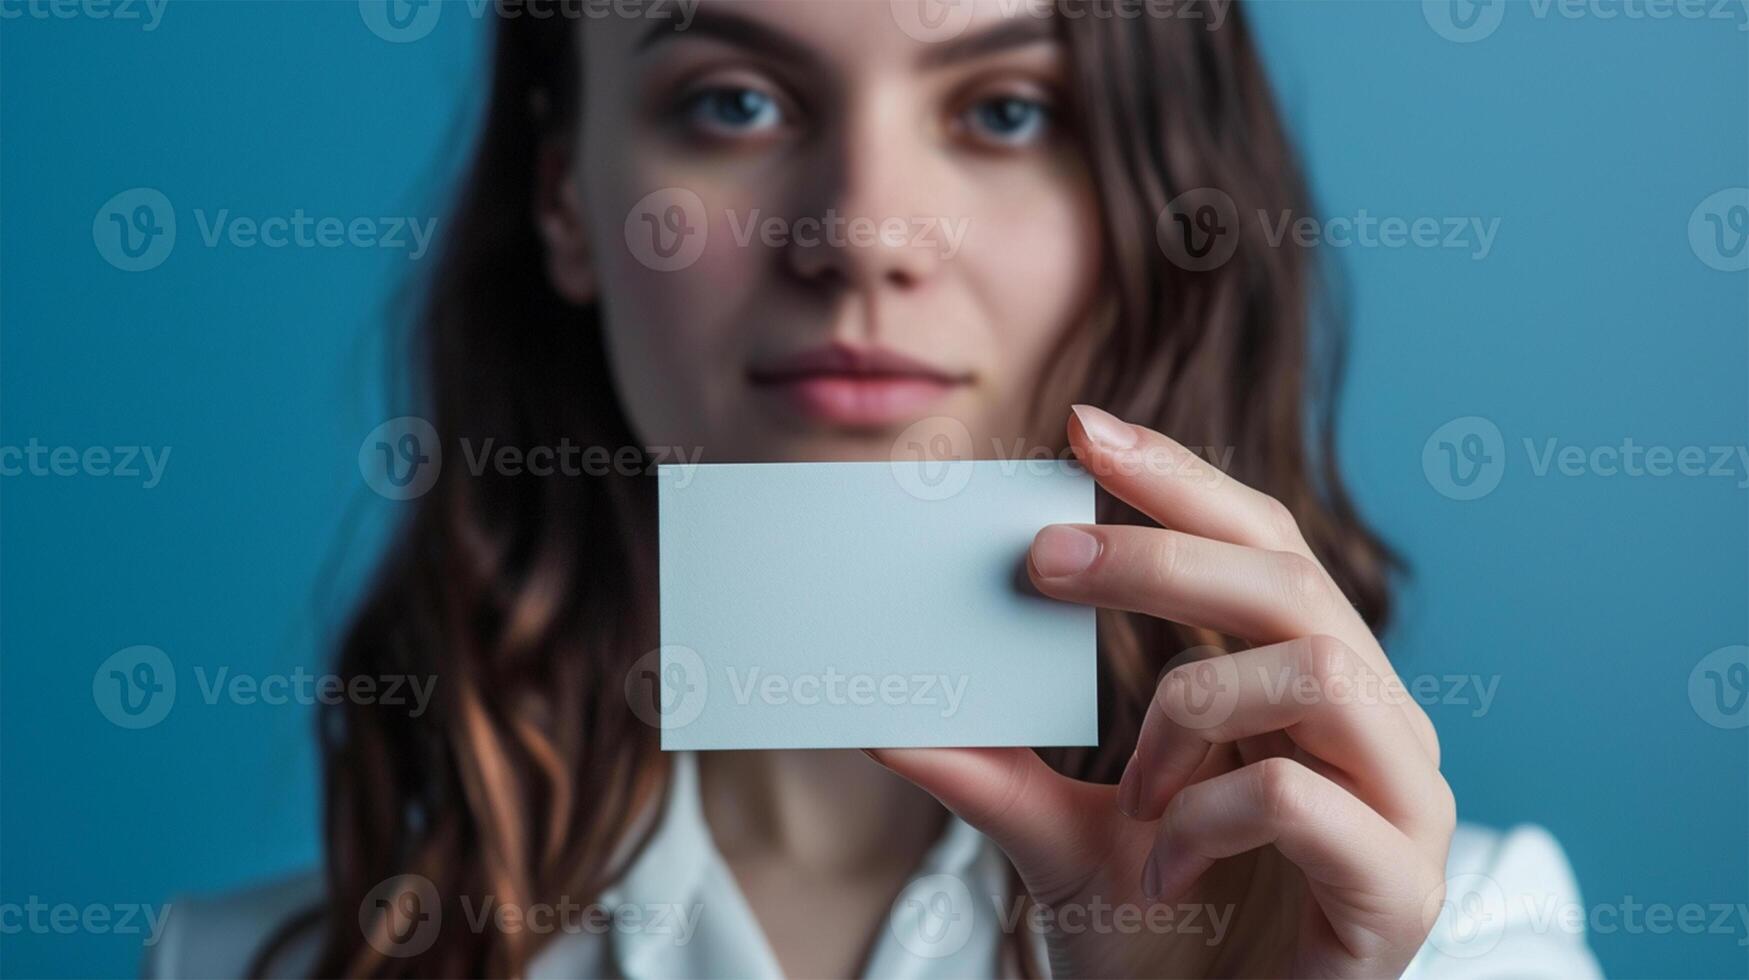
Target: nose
point(869, 224)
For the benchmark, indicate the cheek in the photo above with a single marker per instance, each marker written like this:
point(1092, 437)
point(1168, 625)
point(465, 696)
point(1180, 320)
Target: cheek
point(673, 277)
point(1036, 269)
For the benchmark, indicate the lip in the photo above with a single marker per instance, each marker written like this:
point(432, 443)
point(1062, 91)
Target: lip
point(856, 386)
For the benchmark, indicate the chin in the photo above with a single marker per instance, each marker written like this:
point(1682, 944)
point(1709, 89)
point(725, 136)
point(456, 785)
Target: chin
point(838, 446)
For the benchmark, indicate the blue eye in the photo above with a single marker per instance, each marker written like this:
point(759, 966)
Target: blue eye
point(1009, 120)
point(733, 110)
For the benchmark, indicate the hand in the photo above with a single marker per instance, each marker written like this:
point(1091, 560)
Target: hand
point(1292, 787)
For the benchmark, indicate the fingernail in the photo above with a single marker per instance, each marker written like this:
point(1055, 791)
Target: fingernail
point(1129, 789)
point(1061, 550)
point(1151, 876)
point(1104, 428)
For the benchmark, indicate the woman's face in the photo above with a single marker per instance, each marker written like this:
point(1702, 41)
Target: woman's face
point(810, 227)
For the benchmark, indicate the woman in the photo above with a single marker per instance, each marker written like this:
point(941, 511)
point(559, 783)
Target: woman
point(1315, 834)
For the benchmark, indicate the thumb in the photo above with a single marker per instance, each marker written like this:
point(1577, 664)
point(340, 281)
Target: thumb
point(1039, 817)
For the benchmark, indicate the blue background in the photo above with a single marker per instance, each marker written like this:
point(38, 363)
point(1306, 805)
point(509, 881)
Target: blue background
point(1590, 599)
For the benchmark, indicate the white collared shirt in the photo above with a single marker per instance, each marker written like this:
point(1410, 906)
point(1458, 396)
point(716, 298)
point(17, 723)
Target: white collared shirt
point(678, 912)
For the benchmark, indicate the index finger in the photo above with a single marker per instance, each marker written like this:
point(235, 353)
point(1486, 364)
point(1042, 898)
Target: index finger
point(1173, 485)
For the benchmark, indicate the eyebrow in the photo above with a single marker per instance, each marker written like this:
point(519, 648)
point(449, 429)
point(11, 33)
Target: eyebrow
point(1014, 33)
point(745, 32)
point(732, 29)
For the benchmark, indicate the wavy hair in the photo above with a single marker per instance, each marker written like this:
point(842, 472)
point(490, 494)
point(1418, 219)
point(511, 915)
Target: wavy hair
point(530, 597)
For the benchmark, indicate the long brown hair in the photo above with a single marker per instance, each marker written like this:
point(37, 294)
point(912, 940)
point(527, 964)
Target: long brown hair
point(528, 596)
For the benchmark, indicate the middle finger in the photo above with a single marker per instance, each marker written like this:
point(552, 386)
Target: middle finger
point(1261, 596)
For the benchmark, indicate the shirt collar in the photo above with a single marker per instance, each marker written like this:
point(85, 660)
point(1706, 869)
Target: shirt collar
point(681, 870)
